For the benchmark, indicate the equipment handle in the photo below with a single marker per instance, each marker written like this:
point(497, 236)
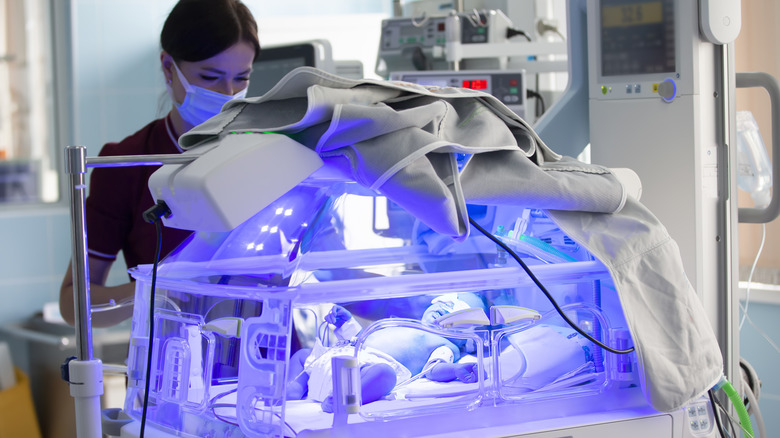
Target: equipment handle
point(770, 84)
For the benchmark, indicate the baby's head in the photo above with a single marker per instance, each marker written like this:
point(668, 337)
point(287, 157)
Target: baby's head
point(448, 303)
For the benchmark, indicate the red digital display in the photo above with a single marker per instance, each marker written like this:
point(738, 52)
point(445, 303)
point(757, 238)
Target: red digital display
point(476, 84)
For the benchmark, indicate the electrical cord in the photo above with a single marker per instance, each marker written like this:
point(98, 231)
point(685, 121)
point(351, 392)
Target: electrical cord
point(715, 413)
point(539, 101)
point(543, 27)
point(764, 335)
point(512, 32)
point(546, 293)
point(152, 215)
point(732, 432)
point(750, 277)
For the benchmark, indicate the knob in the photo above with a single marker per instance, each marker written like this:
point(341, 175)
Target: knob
point(667, 90)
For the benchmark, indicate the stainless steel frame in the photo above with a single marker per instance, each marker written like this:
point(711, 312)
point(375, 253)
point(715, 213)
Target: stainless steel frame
point(90, 382)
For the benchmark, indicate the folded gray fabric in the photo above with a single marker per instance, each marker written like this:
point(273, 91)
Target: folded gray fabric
point(401, 139)
point(676, 348)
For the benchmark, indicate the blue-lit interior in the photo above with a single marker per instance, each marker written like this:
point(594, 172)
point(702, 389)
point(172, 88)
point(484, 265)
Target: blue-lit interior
point(229, 305)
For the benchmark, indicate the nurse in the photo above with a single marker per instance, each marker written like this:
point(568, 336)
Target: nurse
point(208, 47)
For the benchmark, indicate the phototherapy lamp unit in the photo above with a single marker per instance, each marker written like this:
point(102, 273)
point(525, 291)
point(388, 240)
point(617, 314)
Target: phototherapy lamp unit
point(283, 233)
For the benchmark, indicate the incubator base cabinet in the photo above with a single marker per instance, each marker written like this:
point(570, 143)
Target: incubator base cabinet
point(493, 422)
point(243, 344)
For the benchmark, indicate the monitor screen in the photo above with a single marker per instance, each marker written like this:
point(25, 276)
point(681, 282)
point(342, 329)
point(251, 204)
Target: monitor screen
point(637, 37)
point(275, 62)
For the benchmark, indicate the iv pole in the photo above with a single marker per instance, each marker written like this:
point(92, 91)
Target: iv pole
point(85, 372)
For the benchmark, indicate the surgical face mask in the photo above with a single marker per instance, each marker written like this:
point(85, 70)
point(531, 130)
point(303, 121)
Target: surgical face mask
point(200, 104)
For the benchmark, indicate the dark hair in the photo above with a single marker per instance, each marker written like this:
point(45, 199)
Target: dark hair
point(199, 29)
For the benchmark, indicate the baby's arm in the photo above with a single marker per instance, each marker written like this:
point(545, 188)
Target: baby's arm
point(299, 384)
point(442, 367)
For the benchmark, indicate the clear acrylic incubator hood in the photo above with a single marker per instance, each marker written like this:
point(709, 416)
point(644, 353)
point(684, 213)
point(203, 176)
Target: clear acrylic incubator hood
point(231, 308)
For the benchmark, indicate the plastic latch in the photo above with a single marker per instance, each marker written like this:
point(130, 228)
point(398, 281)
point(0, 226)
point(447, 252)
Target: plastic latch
point(65, 369)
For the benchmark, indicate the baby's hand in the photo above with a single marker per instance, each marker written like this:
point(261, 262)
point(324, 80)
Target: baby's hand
point(338, 316)
point(327, 405)
point(434, 312)
point(467, 372)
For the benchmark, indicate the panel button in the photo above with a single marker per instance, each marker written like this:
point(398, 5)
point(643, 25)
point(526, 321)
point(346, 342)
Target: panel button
point(667, 90)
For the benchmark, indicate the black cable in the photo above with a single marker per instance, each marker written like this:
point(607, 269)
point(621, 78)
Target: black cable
point(546, 293)
point(152, 215)
point(511, 32)
point(539, 101)
point(732, 421)
point(716, 413)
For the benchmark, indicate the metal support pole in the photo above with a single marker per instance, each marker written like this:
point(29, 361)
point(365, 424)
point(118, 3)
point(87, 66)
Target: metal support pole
point(86, 372)
point(76, 164)
point(86, 376)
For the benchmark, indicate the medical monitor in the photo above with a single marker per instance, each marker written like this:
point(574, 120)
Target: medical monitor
point(637, 37)
point(275, 62)
point(637, 49)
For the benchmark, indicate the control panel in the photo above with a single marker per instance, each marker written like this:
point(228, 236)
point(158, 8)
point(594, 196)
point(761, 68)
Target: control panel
point(507, 86)
point(700, 418)
point(419, 43)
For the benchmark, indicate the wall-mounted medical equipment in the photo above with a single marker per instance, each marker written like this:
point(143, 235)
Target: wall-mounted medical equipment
point(418, 43)
point(507, 86)
point(458, 41)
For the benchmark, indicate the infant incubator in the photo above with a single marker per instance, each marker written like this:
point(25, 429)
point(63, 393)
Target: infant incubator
point(229, 310)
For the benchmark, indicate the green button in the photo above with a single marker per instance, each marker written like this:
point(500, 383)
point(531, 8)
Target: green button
point(513, 90)
point(604, 89)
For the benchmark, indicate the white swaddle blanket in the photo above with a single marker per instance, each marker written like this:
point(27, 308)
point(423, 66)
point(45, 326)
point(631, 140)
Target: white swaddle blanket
point(401, 140)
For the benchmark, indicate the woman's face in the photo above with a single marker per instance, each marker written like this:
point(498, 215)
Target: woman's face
point(226, 72)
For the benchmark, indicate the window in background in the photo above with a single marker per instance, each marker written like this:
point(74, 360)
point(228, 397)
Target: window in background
point(28, 164)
